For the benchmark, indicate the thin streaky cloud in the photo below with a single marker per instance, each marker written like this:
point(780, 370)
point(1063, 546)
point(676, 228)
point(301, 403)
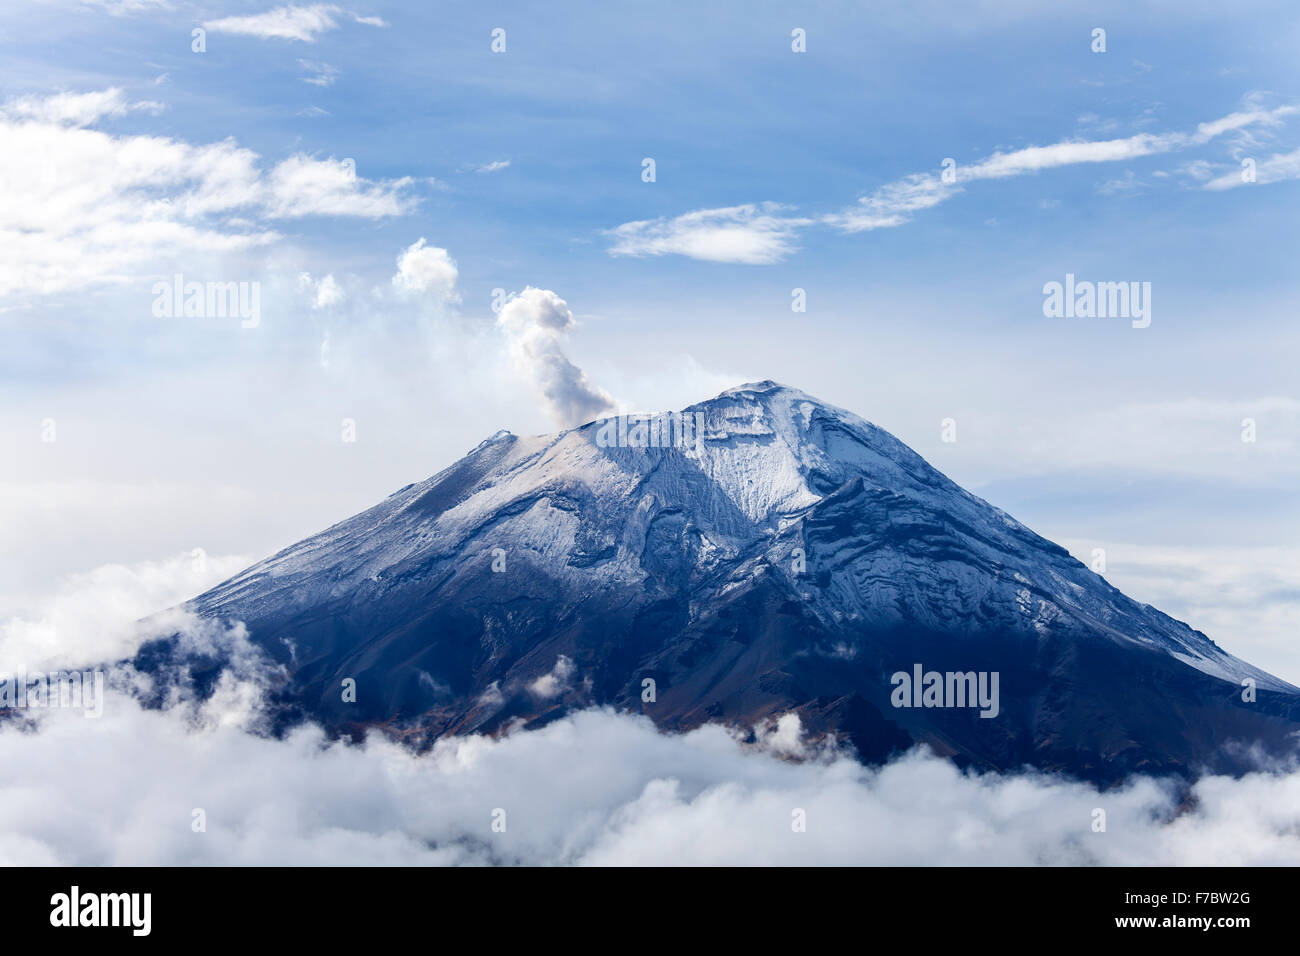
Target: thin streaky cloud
point(759, 234)
point(753, 234)
point(304, 24)
point(73, 109)
point(120, 8)
point(319, 73)
point(893, 204)
point(1275, 169)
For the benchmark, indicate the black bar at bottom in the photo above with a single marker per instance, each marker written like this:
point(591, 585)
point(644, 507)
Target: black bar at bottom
point(337, 905)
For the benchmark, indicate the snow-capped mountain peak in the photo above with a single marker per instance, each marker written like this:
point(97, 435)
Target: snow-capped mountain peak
point(759, 552)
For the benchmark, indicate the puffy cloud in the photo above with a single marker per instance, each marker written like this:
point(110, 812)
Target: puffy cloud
point(290, 22)
point(554, 683)
point(301, 186)
point(328, 293)
point(783, 736)
point(422, 269)
point(323, 293)
point(535, 323)
point(80, 207)
point(624, 794)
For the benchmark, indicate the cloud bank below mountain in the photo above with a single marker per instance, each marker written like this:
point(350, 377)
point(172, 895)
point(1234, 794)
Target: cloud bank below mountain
point(596, 787)
point(626, 795)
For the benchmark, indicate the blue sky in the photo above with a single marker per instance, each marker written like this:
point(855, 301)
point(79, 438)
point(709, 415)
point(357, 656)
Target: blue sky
point(128, 157)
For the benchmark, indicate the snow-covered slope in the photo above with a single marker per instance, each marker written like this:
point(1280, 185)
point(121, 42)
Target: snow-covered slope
point(790, 558)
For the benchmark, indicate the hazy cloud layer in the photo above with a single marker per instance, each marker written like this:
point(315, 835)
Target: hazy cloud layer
point(1247, 599)
point(94, 617)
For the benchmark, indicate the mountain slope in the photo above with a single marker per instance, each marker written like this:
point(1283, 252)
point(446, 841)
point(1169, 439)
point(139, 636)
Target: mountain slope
point(791, 559)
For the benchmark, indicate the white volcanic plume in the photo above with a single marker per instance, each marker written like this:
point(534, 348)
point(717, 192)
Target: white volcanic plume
point(535, 323)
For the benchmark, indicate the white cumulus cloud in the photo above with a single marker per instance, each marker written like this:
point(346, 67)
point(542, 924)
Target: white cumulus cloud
point(556, 681)
point(425, 269)
point(322, 292)
point(80, 206)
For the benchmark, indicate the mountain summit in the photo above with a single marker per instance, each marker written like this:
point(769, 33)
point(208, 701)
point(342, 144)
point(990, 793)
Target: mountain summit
point(758, 554)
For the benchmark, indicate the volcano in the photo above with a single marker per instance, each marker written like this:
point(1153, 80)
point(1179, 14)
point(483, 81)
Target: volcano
point(768, 554)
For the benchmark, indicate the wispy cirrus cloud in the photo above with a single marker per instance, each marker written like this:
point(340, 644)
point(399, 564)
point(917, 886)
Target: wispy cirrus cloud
point(895, 203)
point(74, 109)
point(304, 24)
point(319, 74)
point(754, 234)
point(120, 8)
point(1274, 169)
point(763, 233)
